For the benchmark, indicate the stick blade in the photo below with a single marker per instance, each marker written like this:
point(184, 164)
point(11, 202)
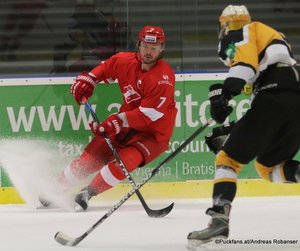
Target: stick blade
point(161, 212)
point(65, 240)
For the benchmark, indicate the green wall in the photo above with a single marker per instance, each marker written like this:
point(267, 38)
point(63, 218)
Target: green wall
point(48, 112)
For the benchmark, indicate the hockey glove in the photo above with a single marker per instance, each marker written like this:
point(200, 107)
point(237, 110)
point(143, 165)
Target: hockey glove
point(111, 126)
point(83, 86)
point(219, 107)
point(216, 139)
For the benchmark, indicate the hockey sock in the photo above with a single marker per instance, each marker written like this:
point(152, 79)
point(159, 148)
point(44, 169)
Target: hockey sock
point(224, 191)
point(224, 185)
point(290, 168)
point(112, 174)
point(79, 169)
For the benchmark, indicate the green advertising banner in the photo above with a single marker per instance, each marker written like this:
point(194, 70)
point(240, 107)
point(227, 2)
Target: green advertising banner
point(47, 112)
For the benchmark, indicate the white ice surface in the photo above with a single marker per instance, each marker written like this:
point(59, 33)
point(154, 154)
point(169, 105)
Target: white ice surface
point(23, 228)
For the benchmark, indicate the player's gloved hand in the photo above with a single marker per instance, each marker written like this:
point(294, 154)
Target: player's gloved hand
point(111, 126)
point(83, 86)
point(219, 107)
point(216, 139)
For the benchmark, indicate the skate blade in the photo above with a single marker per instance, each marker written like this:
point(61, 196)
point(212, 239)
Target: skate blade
point(78, 208)
point(43, 206)
point(194, 244)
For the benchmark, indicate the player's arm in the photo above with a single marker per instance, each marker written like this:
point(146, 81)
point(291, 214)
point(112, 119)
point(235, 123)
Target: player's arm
point(153, 107)
point(85, 82)
point(106, 70)
point(218, 136)
point(239, 53)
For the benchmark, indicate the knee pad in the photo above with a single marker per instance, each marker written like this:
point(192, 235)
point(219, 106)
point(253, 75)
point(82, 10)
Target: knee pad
point(131, 158)
point(225, 178)
point(225, 174)
point(272, 174)
point(226, 168)
point(223, 159)
point(263, 171)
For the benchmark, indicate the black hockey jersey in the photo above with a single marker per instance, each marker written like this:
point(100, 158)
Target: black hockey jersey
point(254, 50)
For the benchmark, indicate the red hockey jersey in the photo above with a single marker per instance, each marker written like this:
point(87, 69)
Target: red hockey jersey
point(148, 96)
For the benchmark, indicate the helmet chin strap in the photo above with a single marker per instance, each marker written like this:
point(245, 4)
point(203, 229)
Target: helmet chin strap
point(222, 31)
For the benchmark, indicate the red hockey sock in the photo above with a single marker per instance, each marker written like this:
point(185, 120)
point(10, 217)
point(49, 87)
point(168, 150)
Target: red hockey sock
point(112, 174)
point(79, 169)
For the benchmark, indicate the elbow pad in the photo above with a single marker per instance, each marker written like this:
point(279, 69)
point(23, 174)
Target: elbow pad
point(234, 86)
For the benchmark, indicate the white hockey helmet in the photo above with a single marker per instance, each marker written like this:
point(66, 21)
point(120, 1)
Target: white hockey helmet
point(233, 17)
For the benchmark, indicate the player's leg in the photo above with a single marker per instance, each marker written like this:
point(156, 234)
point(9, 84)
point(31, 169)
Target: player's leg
point(224, 191)
point(276, 163)
point(139, 151)
point(94, 156)
point(109, 176)
point(250, 135)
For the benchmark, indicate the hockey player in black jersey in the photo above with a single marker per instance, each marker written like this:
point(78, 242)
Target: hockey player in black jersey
point(259, 58)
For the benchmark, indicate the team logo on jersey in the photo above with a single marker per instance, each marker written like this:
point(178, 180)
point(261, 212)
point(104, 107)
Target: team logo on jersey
point(130, 94)
point(165, 80)
point(230, 51)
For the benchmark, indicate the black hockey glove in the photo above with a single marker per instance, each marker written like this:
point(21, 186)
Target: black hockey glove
point(216, 139)
point(219, 108)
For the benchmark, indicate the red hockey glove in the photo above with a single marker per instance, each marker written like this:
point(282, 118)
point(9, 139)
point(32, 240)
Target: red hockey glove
point(83, 86)
point(111, 126)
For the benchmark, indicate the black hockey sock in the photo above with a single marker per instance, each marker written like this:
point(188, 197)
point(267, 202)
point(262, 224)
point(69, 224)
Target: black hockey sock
point(224, 191)
point(290, 169)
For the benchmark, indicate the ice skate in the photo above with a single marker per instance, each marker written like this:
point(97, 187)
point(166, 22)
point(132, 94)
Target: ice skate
point(43, 203)
point(82, 199)
point(218, 228)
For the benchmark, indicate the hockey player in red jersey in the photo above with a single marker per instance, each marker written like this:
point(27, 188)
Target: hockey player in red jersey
point(258, 56)
point(142, 128)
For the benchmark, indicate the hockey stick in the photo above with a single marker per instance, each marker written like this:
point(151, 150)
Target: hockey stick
point(151, 212)
point(66, 240)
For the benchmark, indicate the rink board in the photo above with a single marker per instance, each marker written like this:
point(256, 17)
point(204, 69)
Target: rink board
point(49, 113)
point(178, 190)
